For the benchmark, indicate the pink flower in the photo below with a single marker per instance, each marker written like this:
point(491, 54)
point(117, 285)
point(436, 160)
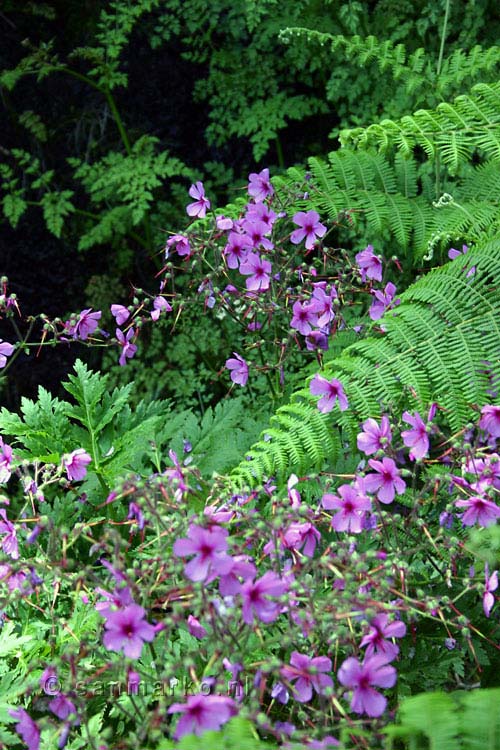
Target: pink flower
point(324, 304)
point(256, 232)
point(202, 713)
point(26, 728)
point(351, 505)
point(303, 536)
point(374, 437)
point(160, 305)
point(369, 264)
point(5, 461)
point(490, 420)
point(304, 317)
point(256, 602)
point(6, 350)
point(196, 628)
point(479, 510)
point(261, 212)
point(490, 585)
point(305, 678)
point(128, 349)
point(383, 301)
point(237, 248)
point(241, 567)
point(127, 629)
point(386, 481)
point(201, 203)
point(209, 549)
point(86, 324)
point(238, 369)
point(181, 243)
point(310, 228)
point(120, 313)
point(380, 630)
point(258, 270)
point(75, 464)
point(330, 391)
point(260, 186)
point(416, 438)
point(9, 542)
point(361, 677)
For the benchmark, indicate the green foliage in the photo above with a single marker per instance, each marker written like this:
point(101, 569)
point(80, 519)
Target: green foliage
point(455, 721)
point(432, 347)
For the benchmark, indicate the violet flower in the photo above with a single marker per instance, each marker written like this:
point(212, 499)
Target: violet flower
point(330, 391)
point(128, 349)
point(182, 246)
point(261, 212)
point(479, 510)
point(238, 369)
point(255, 598)
point(26, 728)
point(490, 585)
point(260, 186)
point(86, 324)
point(75, 464)
point(383, 301)
point(9, 541)
point(369, 264)
point(120, 313)
point(360, 678)
point(416, 438)
point(374, 437)
point(160, 305)
point(307, 679)
point(127, 629)
point(386, 481)
point(310, 228)
point(209, 549)
point(195, 627)
point(256, 232)
point(259, 272)
point(352, 506)
point(202, 713)
point(6, 350)
point(381, 630)
point(201, 203)
point(5, 461)
point(490, 420)
point(304, 317)
point(237, 248)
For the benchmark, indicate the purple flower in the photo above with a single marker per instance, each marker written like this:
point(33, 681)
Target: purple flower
point(256, 232)
point(310, 228)
point(6, 350)
point(181, 243)
point(160, 305)
point(238, 369)
point(201, 203)
point(325, 744)
point(75, 464)
point(209, 549)
point(120, 313)
point(386, 481)
point(255, 598)
point(5, 461)
point(452, 254)
point(258, 270)
point(237, 248)
point(361, 677)
point(330, 391)
point(416, 438)
point(260, 186)
point(490, 585)
point(302, 536)
point(9, 542)
point(127, 629)
point(305, 679)
point(261, 212)
point(26, 728)
point(380, 630)
point(317, 340)
point(241, 567)
point(479, 510)
point(86, 324)
point(374, 437)
point(62, 706)
point(304, 317)
point(196, 628)
point(128, 349)
point(324, 304)
point(280, 693)
point(202, 713)
point(369, 264)
point(383, 301)
point(490, 420)
point(351, 505)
